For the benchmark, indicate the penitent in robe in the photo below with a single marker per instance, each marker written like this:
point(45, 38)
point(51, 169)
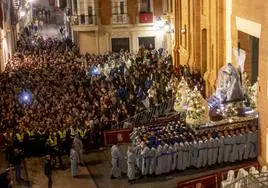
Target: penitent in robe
point(210, 143)
point(158, 169)
point(247, 145)
point(221, 147)
point(228, 148)
point(215, 147)
point(254, 145)
point(242, 146)
point(152, 161)
point(174, 157)
point(116, 161)
point(145, 154)
point(205, 153)
point(235, 143)
point(180, 156)
point(200, 154)
point(185, 156)
point(131, 161)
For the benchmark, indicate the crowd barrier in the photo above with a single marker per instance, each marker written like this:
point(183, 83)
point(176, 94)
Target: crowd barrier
point(116, 136)
point(146, 115)
point(214, 179)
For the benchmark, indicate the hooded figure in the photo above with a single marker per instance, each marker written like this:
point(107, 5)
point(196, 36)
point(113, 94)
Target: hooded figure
point(116, 162)
point(74, 157)
point(78, 147)
point(131, 160)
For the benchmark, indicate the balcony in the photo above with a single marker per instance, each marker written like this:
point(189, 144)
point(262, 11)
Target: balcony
point(119, 19)
point(84, 23)
point(146, 17)
point(84, 20)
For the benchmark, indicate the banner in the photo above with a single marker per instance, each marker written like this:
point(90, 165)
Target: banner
point(240, 57)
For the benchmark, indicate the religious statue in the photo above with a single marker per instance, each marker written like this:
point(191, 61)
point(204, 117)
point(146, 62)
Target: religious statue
point(181, 96)
point(229, 84)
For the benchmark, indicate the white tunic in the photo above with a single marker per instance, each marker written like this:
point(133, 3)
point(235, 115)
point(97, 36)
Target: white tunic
point(116, 161)
point(180, 156)
point(159, 160)
point(152, 161)
point(145, 153)
point(131, 160)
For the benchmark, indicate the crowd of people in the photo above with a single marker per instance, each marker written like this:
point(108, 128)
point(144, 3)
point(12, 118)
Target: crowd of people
point(161, 149)
point(50, 93)
point(50, 90)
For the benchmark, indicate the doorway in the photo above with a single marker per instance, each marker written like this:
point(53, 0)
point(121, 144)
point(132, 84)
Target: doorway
point(250, 45)
point(204, 51)
point(119, 44)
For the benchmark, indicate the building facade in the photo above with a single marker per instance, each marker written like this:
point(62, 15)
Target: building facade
point(98, 26)
point(200, 36)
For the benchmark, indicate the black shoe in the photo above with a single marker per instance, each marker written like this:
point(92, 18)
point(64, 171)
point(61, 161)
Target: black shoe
point(112, 177)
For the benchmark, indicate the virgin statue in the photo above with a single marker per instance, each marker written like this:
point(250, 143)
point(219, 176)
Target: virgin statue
point(229, 85)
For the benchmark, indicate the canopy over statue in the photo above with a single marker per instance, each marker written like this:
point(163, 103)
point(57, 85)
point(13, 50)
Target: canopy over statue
point(229, 85)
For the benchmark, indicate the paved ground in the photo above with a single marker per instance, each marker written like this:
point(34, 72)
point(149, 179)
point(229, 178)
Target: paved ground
point(96, 174)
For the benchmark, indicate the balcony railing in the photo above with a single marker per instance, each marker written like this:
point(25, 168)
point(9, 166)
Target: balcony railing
point(119, 19)
point(84, 20)
point(146, 17)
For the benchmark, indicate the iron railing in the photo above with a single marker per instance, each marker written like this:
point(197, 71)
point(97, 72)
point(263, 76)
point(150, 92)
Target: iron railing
point(119, 19)
point(84, 20)
point(146, 115)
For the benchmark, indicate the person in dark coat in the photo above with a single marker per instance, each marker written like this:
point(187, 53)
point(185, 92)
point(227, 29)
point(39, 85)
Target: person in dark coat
point(48, 170)
point(16, 161)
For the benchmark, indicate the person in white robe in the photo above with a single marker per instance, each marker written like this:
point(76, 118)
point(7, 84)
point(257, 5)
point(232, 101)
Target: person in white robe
point(215, 150)
point(145, 154)
point(131, 160)
point(174, 157)
point(234, 142)
point(221, 147)
point(185, 156)
point(138, 157)
point(169, 158)
point(165, 162)
point(195, 153)
point(74, 161)
point(240, 182)
point(229, 180)
point(180, 156)
point(254, 143)
point(152, 161)
point(242, 144)
point(205, 152)
point(210, 144)
point(200, 153)
point(254, 172)
point(78, 146)
point(116, 162)
point(228, 147)
point(248, 144)
point(264, 174)
point(159, 160)
point(191, 153)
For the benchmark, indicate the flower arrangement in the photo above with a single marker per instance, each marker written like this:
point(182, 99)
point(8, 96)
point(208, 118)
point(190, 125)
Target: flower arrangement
point(253, 96)
point(197, 108)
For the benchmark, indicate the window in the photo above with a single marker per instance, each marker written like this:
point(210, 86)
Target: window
point(119, 7)
point(145, 6)
point(90, 15)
